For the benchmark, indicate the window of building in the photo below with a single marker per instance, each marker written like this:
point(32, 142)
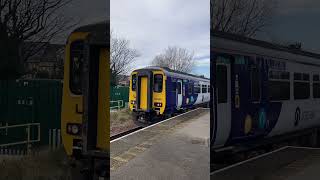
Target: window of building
point(279, 85)
point(301, 86)
point(157, 83)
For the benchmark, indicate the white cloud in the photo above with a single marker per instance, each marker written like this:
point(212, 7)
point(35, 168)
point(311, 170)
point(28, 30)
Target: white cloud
point(153, 25)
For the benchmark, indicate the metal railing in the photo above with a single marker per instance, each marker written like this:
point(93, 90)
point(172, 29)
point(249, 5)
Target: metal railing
point(118, 106)
point(28, 140)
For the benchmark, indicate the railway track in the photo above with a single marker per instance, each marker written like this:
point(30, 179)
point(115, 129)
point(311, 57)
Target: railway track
point(124, 133)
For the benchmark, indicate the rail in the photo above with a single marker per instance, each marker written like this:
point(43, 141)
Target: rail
point(28, 140)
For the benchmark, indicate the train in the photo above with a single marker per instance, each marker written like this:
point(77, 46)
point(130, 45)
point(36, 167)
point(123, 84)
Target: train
point(85, 116)
point(161, 92)
point(261, 92)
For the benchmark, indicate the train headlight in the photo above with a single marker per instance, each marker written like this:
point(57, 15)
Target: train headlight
point(158, 104)
point(133, 102)
point(73, 128)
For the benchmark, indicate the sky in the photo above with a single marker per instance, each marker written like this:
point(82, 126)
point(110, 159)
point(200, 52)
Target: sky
point(153, 25)
point(295, 21)
point(83, 12)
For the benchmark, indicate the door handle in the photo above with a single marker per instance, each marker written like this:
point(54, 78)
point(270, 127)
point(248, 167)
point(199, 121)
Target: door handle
point(77, 110)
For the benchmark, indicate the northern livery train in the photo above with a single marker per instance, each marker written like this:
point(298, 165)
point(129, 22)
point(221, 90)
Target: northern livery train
point(160, 92)
point(261, 92)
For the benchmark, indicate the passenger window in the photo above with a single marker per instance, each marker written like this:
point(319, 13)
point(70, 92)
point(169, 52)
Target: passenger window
point(158, 81)
point(255, 84)
point(174, 88)
point(209, 88)
point(134, 82)
point(76, 63)
point(301, 86)
point(316, 86)
point(222, 85)
point(204, 88)
point(197, 88)
point(279, 85)
point(179, 87)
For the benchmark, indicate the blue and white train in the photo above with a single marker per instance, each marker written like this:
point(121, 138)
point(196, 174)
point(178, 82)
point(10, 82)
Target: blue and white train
point(261, 91)
point(157, 91)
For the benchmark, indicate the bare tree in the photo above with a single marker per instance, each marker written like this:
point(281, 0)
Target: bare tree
point(175, 58)
point(121, 58)
point(243, 17)
point(28, 20)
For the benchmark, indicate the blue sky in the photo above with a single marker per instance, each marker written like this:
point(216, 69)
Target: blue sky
point(153, 25)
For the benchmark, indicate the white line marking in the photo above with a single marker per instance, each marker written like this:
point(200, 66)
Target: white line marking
point(301, 147)
point(248, 160)
point(154, 125)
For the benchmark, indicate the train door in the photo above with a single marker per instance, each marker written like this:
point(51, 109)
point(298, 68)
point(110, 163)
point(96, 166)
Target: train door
point(223, 91)
point(143, 92)
point(179, 94)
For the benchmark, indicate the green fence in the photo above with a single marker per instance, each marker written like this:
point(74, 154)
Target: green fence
point(119, 96)
point(30, 101)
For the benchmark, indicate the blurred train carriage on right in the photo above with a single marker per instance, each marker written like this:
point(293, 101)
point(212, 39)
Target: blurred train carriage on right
point(262, 93)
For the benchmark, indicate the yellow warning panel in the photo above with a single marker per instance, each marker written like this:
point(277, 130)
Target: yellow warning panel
point(144, 93)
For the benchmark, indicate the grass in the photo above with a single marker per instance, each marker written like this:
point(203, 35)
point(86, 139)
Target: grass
point(120, 121)
point(120, 117)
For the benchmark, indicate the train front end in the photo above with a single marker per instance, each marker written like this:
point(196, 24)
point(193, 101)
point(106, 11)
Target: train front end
point(147, 97)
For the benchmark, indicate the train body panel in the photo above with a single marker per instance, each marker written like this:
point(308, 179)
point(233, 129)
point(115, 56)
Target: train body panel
point(167, 90)
point(261, 91)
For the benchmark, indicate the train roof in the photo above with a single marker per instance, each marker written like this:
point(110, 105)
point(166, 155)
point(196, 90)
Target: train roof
point(99, 33)
point(174, 72)
point(232, 43)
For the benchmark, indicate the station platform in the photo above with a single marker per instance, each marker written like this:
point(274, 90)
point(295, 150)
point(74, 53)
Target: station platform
point(287, 163)
point(177, 148)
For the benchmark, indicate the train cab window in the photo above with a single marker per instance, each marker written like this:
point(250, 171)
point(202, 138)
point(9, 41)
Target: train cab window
point(158, 81)
point(204, 88)
point(316, 86)
point(196, 88)
point(134, 82)
point(301, 86)
point(279, 85)
point(178, 85)
point(255, 84)
point(76, 63)
point(222, 83)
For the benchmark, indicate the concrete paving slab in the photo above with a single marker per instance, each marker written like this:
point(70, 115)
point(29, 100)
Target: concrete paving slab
point(180, 153)
point(288, 163)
